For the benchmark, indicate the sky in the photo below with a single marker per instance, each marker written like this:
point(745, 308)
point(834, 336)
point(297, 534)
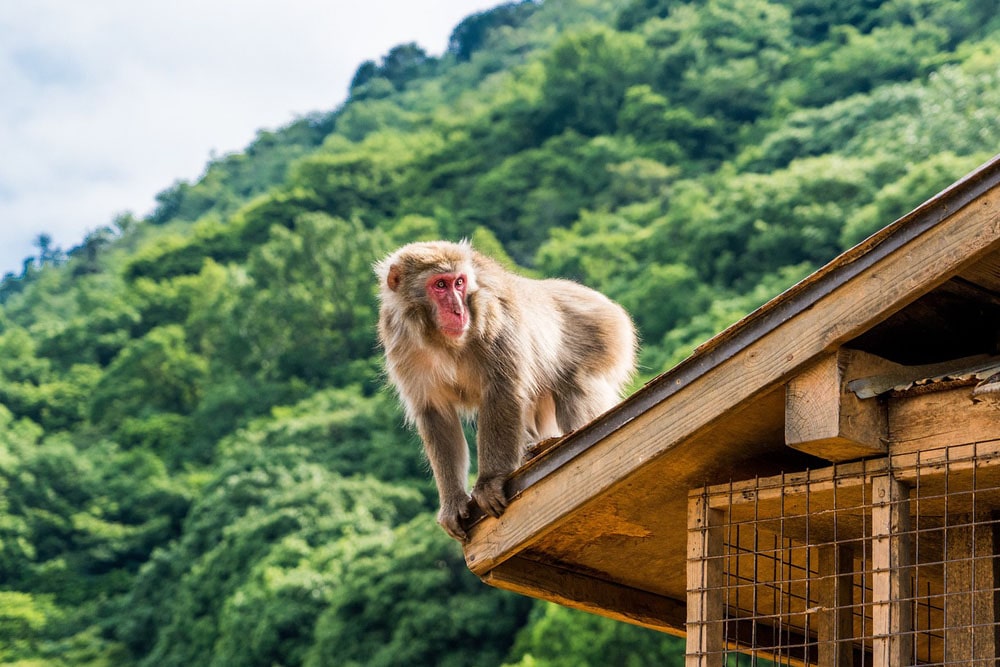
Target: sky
point(105, 103)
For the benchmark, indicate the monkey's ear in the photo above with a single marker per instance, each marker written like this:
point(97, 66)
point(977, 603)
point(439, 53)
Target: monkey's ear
point(392, 280)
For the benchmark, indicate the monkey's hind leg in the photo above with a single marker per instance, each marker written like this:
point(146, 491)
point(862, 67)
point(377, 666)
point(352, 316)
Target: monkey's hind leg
point(577, 405)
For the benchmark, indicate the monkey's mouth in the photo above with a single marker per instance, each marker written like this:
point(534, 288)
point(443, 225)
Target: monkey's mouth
point(456, 330)
point(455, 325)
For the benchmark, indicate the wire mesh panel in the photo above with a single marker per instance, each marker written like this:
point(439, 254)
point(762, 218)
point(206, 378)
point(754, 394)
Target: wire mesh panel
point(885, 562)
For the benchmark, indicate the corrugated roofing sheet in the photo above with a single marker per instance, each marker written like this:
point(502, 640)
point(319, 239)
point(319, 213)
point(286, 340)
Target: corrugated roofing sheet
point(969, 370)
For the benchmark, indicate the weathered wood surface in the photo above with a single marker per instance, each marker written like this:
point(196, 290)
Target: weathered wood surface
point(939, 419)
point(892, 609)
point(588, 593)
point(970, 605)
point(835, 630)
point(950, 246)
point(706, 579)
point(824, 419)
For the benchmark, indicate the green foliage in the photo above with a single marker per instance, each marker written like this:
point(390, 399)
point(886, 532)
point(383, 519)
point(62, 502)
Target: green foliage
point(231, 180)
point(856, 62)
point(813, 19)
point(156, 373)
point(378, 616)
point(348, 184)
point(304, 307)
point(401, 65)
point(920, 182)
point(342, 429)
point(560, 637)
point(31, 387)
point(261, 533)
point(586, 76)
point(74, 528)
point(725, 310)
point(472, 33)
point(363, 118)
point(96, 334)
point(814, 132)
point(23, 618)
point(668, 133)
point(722, 58)
point(529, 194)
point(778, 219)
point(198, 464)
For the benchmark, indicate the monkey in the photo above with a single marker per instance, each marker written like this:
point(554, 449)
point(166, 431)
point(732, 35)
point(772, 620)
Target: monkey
point(529, 359)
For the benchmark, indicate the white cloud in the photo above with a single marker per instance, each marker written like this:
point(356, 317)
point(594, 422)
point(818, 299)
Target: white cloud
point(106, 103)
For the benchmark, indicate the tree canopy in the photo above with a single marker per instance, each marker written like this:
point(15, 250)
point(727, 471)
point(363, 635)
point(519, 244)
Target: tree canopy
point(199, 463)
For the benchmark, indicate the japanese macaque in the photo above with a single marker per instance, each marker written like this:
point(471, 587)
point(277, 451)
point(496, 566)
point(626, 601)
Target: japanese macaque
point(532, 359)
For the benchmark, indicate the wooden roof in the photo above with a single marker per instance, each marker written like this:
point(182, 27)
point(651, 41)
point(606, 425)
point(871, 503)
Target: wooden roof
point(598, 521)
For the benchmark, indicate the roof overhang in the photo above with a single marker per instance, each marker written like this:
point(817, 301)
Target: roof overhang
point(598, 521)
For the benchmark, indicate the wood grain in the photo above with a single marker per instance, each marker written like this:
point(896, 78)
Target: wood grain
point(825, 419)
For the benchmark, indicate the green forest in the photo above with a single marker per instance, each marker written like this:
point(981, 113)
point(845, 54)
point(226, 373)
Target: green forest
point(199, 461)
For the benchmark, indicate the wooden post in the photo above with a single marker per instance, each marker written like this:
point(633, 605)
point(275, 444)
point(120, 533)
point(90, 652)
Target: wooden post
point(705, 579)
point(970, 635)
point(892, 595)
point(835, 631)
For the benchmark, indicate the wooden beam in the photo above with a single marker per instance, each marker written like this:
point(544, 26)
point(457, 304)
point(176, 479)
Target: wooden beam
point(824, 419)
point(788, 485)
point(587, 593)
point(686, 402)
point(706, 585)
point(892, 595)
point(940, 419)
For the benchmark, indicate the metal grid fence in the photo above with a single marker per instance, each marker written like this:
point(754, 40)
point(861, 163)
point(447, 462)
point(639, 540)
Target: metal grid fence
point(886, 562)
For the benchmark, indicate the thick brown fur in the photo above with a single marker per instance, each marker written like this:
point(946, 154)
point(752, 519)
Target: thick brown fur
point(539, 358)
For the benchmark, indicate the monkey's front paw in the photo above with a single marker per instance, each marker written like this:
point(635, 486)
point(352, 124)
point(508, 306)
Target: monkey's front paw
point(452, 515)
point(489, 495)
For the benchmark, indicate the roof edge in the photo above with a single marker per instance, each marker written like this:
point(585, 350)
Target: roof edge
point(766, 319)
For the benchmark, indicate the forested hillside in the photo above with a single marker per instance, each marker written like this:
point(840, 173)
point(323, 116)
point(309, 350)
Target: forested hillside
point(198, 462)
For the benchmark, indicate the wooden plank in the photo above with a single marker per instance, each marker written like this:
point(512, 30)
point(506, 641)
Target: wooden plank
point(985, 273)
point(960, 461)
point(892, 609)
point(955, 242)
point(939, 419)
point(835, 629)
point(706, 585)
point(969, 612)
point(789, 485)
point(824, 419)
point(590, 594)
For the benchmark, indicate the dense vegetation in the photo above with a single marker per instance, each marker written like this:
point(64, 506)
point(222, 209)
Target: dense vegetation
point(198, 464)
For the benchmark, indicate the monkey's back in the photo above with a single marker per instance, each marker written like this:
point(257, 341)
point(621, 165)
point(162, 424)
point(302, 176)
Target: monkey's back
point(581, 330)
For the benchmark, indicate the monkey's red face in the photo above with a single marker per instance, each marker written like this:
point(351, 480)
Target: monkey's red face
point(447, 293)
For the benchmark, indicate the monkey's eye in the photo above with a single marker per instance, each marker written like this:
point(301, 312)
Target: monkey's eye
point(459, 282)
point(441, 284)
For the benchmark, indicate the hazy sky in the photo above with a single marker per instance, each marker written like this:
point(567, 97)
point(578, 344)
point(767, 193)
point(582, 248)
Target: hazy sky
point(104, 103)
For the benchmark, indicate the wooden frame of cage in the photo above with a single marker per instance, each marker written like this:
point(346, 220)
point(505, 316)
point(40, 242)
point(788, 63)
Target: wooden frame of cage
point(886, 562)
